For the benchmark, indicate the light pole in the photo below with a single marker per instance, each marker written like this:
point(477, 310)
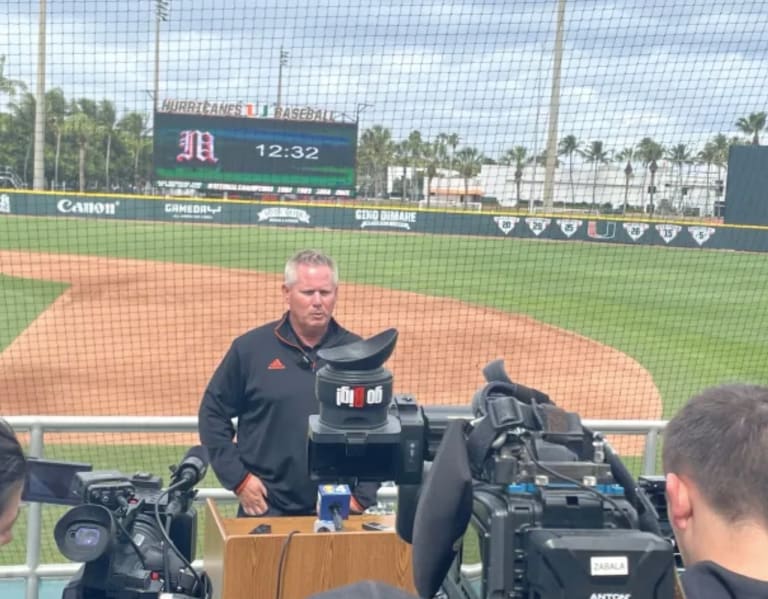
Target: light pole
point(361, 107)
point(554, 108)
point(162, 9)
point(38, 176)
point(282, 63)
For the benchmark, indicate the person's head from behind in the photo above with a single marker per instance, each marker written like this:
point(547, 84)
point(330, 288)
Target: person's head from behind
point(716, 463)
point(13, 471)
point(310, 289)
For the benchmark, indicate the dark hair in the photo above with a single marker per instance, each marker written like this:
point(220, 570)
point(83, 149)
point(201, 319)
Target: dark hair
point(13, 464)
point(720, 441)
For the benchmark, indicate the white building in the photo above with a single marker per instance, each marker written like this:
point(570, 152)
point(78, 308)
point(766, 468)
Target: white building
point(693, 190)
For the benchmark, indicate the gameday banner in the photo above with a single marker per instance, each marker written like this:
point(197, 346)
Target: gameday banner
point(401, 219)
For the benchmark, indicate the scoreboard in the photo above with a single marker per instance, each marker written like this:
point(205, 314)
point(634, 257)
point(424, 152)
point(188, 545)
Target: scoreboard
point(254, 155)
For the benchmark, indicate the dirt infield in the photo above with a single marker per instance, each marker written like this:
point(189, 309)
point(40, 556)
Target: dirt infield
point(130, 337)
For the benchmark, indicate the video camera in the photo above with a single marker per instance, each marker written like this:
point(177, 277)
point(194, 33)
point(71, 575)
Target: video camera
point(137, 539)
point(553, 510)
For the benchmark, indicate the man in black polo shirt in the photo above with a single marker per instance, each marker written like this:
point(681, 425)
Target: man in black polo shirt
point(267, 381)
point(716, 465)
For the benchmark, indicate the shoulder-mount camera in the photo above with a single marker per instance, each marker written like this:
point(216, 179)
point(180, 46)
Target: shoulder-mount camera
point(135, 539)
point(512, 482)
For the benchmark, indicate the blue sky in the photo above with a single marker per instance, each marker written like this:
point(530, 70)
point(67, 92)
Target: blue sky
point(677, 71)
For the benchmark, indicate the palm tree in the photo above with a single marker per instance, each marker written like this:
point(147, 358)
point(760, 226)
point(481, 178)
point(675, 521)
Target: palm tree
point(567, 147)
point(132, 129)
point(84, 129)
point(709, 155)
point(519, 157)
point(376, 153)
point(433, 156)
point(23, 117)
point(55, 113)
point(715, 153)
point(403, 153)
point(9, 86)
point(468, 163)
point(650, 152)
point(596, 155)
point(752, 125)
point(729, 142)
point(414, 145)
point(106, 119)
point(627, 154)
point(451, 140)
point(679, 155)
point(720, 145)
point(87, 106)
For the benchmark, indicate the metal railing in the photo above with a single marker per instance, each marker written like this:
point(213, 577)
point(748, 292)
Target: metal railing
point(37, 426)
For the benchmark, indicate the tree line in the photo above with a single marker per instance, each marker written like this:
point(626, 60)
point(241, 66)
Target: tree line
point(87, 147)
point(441, 157)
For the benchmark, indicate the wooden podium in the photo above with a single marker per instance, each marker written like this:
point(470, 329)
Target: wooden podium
point(245, 566)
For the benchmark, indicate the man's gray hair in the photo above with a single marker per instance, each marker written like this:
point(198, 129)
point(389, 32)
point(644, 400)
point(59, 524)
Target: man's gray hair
point(719, 439)
point(310, 258)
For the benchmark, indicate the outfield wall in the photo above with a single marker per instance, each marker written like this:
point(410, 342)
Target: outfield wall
point(622, 230)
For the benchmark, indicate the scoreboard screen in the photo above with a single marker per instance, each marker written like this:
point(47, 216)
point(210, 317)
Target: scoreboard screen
point(256, 155)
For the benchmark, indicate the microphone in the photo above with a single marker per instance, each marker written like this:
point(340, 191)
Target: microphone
point(332, 507)
point(186, 475)
point(304, 362)
point(192, 468)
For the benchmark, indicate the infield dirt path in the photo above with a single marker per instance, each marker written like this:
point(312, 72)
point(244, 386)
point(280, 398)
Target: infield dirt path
point(131, 337)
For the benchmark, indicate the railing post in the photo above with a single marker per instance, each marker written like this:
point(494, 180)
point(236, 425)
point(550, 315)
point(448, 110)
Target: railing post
point(649, 454)
point(34, 520)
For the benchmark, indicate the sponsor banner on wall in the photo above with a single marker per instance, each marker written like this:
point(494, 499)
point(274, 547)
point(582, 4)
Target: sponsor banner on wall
point(686, 235)
point(386, 219)
point(192, 211)
point(82, 207)
point(284, 215)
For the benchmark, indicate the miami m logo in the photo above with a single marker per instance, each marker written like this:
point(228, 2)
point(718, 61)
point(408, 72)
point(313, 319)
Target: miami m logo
point(197, 145)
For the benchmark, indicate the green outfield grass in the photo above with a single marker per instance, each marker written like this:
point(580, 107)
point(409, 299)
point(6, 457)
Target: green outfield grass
point(21, 301)
point(690, 317)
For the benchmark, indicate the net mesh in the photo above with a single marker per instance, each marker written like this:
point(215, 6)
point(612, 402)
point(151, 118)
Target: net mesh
point(129, 261)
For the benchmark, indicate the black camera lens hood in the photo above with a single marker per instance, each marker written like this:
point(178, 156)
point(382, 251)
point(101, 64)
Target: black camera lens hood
point(367, 354)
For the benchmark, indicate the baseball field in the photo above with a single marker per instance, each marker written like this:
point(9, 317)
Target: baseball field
point(126, 318)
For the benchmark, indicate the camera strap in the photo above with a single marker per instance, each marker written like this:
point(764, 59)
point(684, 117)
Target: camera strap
point(501, 412)
point(499, 405)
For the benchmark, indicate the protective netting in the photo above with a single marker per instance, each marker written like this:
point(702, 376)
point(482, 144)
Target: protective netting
point(211, 140)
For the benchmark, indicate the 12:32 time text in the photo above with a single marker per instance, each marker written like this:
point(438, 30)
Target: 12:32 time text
point(295, 152)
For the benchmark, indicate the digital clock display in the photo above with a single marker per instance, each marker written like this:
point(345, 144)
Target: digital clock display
point(295, 152)
point(255, 154)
